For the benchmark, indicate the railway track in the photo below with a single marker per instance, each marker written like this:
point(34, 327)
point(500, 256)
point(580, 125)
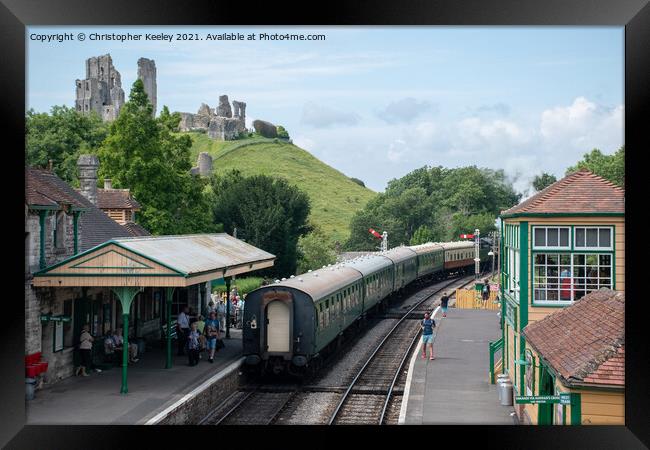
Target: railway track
point(367, 399)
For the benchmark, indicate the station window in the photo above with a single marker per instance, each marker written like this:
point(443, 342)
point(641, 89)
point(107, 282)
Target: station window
point(566, 277)
point(551, 237)
point(593, 238)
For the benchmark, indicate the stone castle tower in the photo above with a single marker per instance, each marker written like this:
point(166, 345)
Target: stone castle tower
point(221, 123)
point(101, 90)
point(147, 73)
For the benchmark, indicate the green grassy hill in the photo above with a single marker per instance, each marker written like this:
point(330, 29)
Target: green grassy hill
point(334, 197)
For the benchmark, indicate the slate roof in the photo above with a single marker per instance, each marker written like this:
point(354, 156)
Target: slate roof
point(44, 188)
point(579, 192)
point(116, 199)
point(135, 229)
point(585, 342)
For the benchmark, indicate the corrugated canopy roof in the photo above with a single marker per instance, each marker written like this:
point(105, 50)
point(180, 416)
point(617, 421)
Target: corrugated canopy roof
point(157, 261)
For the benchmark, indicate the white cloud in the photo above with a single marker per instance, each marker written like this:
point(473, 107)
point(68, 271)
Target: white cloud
point(404, 110)
point(583, 125)
point(321, 116)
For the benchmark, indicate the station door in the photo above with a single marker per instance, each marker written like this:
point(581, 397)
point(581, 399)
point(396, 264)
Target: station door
point(277, 326)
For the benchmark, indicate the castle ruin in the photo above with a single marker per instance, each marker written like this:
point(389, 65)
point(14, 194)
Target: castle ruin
point(222, 123)
point(101, 91)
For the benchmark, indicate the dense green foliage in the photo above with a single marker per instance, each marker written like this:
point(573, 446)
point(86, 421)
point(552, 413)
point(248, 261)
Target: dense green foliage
point(268, 213)
point(243, 285)
point(543, 181)
point(610, 167)
point(142, 154)
point(314, 250)
point(62, 136)
point(433, 204)
point(334, 198)
point(282, 132)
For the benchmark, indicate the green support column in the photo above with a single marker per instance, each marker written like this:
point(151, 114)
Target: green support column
point(227, 280)
point(42, 215)
point(503, 303)
point(576, 409)
point(169, 293)
point(524, 299)
point(126, 294)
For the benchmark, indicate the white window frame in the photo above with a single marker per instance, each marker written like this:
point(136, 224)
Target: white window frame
point(611, 266)
point(552, 247)
point(598, 248)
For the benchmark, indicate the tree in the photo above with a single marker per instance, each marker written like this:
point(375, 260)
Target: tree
point(314, 251)
point(433, 204)
point(140, 153)
point(543, 181)
point(610, 167)
point(282, 132)
point(267, 212)
point(62, 136)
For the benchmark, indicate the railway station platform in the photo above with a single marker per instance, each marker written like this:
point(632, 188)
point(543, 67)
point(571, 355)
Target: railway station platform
point(454, 388)
point(96, 400)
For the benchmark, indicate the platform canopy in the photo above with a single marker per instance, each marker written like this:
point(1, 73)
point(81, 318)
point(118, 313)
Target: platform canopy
point(156, 261)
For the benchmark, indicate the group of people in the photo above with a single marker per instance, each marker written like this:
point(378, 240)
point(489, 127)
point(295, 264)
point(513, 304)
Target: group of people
point(113, 342)
point(198, 335)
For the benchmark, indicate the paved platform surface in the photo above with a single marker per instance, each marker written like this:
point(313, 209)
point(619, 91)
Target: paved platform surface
point(97, 400)
point(453, 388)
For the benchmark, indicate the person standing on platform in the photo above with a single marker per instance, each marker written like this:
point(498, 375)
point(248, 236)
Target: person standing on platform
point(118, 338)
point(444, 302)
point(85, 351)
point(193, 345)
point(212, 327)
point(427, 326)
point(183, 326)
point(221, 313)
point(485, 293)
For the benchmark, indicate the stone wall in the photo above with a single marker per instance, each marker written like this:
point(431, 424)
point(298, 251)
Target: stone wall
point(101, 90)
point(220, 123)
point(147, 73)
point(202, 400)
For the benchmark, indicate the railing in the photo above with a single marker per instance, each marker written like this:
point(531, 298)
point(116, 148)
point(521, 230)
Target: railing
point(495, 347)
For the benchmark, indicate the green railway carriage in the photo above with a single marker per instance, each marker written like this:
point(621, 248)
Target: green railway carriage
point(430, 258)
point(290, 323)
point(378, 278)
point(405, 266)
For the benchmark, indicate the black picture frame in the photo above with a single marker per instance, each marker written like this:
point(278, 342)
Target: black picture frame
point(633, 14)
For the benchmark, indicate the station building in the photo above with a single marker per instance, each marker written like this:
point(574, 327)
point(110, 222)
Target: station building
point(61, 222)
point(579, 350)
point(557, 246)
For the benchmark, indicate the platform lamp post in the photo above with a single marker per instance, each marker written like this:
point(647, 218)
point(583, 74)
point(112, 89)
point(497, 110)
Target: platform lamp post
point(169, 296)
point(227, 280)
point(125, 294)
point(491, 253)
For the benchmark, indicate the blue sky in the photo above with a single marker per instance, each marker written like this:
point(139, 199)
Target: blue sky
point(379, 102)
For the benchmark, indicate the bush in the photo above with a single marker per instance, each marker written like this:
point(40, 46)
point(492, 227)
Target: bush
point(358, 181)
point(282, 132)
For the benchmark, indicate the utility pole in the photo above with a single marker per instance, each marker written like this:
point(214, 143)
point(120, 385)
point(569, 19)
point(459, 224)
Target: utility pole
point(477, 259)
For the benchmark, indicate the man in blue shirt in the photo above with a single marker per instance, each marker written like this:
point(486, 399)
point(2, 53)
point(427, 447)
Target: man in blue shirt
point(427, 335)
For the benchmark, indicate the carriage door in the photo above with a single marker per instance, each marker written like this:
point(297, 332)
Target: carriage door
point(277, 327)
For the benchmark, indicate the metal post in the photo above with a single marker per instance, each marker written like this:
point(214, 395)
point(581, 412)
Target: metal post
point(477, 241)
point(227, 280)
point(126, 294)
point(169, 296)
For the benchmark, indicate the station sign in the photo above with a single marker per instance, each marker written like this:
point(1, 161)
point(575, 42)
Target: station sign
point(48, 318)
point(467, 236)
point(562, 399)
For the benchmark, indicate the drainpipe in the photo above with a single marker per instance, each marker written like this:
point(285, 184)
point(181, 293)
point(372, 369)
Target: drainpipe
point(42, 215)
point(75, 221)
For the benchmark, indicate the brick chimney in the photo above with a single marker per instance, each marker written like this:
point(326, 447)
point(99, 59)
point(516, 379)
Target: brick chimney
point(88, 165)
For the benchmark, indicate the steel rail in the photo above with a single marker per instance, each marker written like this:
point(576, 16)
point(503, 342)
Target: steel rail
point(381, 344)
